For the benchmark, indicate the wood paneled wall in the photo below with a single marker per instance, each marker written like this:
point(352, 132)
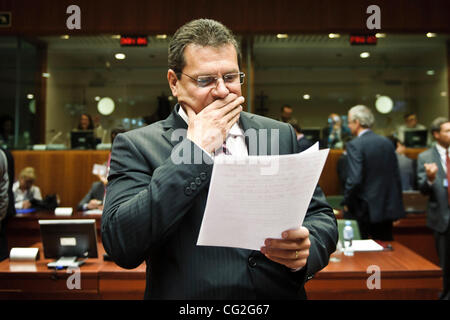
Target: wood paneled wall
point(66, 173)
point(47, 17)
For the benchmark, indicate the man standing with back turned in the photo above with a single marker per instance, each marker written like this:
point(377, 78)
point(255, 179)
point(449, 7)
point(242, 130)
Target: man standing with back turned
point(373, 191)
point(154, 207)
point(433, 176)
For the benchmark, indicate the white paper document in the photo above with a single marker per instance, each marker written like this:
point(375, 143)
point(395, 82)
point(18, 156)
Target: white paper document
point(259, 198)
point(366, 245)
point(99, 169)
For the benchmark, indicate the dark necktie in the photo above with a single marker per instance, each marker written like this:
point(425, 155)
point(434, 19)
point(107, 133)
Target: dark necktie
point(225, 149)
point(447, 162)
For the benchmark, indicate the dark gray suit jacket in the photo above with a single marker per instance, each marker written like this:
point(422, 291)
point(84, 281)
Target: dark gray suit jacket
point(438, 212)
point(373, 190)
point(154, 209)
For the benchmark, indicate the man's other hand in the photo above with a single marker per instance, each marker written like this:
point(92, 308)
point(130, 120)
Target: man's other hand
point(291, 251)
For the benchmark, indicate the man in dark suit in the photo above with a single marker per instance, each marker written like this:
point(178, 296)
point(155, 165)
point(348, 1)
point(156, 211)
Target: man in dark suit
point(432, 175)
point(94, 198)
point(7, 208)
point(155, 203)
point(373, 191)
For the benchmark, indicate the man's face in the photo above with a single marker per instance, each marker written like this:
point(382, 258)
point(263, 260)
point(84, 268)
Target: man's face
point(443, 136)
point(411, 121)
point(286, 114)
point(203, 61)
point(352, 124)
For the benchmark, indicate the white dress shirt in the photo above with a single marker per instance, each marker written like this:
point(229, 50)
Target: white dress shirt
point(235, 141)
point(20, 196)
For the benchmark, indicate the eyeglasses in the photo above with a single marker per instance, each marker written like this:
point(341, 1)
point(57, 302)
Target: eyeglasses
point(208, 81)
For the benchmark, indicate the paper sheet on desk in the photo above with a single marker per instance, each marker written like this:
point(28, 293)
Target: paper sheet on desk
point(244, 207)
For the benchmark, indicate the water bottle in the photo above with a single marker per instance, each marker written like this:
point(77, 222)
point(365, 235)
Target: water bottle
point(348, 238)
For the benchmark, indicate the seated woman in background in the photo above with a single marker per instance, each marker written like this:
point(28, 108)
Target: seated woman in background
point(24, 189)
point(85, 122)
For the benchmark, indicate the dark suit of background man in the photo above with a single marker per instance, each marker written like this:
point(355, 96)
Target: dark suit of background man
point(7, 208)
point(154, 207)
point(432, 176)
point(373, 191)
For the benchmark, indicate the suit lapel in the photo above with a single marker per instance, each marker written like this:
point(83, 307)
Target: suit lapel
point(251, 130)
point(437, 159)
point(172, 123)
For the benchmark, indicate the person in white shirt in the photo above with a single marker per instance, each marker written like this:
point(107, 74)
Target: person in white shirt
point(25, 190)
point(411, 123)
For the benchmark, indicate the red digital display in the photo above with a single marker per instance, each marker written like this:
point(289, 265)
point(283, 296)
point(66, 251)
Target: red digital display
point(363, 39)
point(133, 41)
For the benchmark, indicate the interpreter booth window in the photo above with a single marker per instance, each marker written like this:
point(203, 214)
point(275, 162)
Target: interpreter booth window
point(322, 76)
point(114, 86)
point(19, 83)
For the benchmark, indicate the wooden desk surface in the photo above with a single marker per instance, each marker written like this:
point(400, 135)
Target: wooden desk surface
point(99, 279)
point(403, 275)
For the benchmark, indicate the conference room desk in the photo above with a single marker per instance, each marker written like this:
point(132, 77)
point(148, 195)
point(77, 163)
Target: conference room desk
point(23, 230)
point(403, 275)
point(98, 279)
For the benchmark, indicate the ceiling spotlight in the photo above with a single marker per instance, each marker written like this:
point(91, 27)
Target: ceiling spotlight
point(115, 36)
point(306, 96)
point(380, 35)
point(282, 35)
point(161, 36)
point(364, 55)
point(120, 56)
point(334, 35)
point(46, 75)
point(30, 96)
point(443, 94)
point(430, 72)
point(65, 37)
point(384, 104)
point(97, 98)
point(431, 35)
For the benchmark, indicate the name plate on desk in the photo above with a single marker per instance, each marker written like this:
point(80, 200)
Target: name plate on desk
point(63, 211)
point(24, 254)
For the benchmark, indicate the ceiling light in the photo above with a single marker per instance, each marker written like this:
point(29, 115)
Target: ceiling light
point(30, 96)
point(443, 94)
point(282, 35)
point(161, 36)
point(106, 106)
point(364, 55)
point(120, 56)
point(334, 35)
point(65, 37)
point(430, 72)
point(431, 35)
point(380, 35)
point(384, 104)
point(306, 96)
point(115, 36)
point(97, 98)
point(46, 75)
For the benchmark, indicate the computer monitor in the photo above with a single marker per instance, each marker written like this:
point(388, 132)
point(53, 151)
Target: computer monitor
point(312, 134)
point(416, 138)
point(68, 240)
point(83, 139)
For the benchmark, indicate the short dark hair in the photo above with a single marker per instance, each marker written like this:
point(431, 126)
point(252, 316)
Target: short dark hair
point(115, 132)
point(407, 115)
point(202, 32)
point(285, 106)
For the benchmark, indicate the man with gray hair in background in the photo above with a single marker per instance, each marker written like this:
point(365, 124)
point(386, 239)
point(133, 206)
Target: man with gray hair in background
point(373, 191)
point(432, 180)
